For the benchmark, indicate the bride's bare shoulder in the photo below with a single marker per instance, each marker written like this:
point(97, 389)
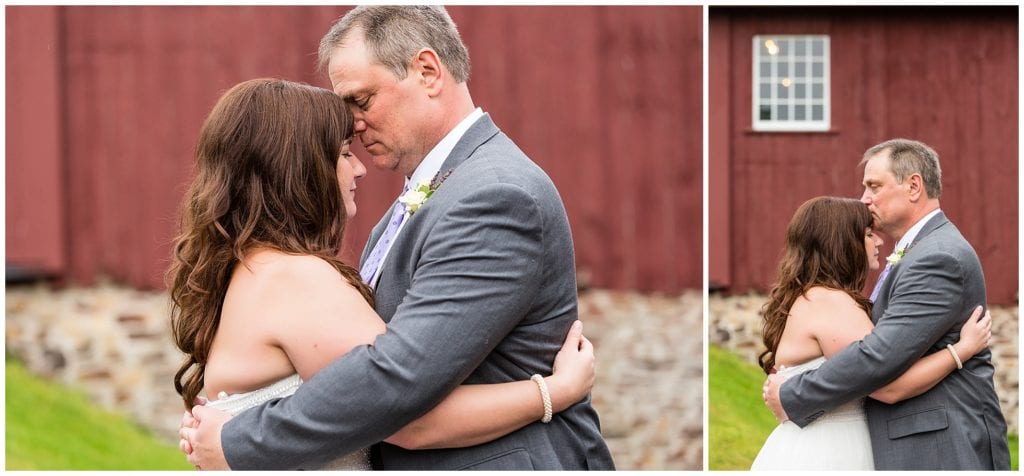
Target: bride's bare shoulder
point(824, 301)
point(274, 265)
point(826, 295)
point(272, 275)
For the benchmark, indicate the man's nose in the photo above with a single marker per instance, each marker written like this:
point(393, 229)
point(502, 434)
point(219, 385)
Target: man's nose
point(865, 199)
point(357, 117)
point(360, 126)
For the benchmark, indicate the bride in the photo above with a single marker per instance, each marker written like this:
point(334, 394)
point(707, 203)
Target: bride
point(261, 301)
point(815, 309)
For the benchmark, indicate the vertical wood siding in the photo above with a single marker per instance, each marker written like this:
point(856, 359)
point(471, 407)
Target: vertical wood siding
point(35, 199)
point(945, 76)
point(606, 99)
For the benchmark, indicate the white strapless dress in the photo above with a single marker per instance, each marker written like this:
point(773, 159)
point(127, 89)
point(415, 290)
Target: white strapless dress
point(239, 402)
point(837, 440)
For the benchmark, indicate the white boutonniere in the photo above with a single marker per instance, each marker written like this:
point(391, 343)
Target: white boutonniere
point(414, 198)
point(418, 195)
point(896, 256)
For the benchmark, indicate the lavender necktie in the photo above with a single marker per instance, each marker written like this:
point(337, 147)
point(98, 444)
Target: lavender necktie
point(374, 260)
point(881, 279)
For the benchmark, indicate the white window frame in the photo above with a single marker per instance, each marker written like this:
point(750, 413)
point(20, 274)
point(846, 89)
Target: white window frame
point(790, 124)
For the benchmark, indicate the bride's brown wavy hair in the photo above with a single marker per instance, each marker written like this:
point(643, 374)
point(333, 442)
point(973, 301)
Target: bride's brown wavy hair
point(824, 247)
point(265, 176)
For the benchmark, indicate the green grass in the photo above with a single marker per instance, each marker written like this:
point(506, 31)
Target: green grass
point(50, 427)
point(1014, 452)
point(739, 421)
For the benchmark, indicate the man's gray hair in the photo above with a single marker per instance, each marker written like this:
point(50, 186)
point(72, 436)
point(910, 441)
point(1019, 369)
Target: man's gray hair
point(908, 157)
point(394, 34)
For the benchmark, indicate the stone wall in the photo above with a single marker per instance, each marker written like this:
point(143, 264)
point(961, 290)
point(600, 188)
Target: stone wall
point(114, 344)
point(735, 323)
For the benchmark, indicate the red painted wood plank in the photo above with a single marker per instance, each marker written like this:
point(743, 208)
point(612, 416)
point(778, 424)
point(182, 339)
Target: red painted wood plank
point(35, 226)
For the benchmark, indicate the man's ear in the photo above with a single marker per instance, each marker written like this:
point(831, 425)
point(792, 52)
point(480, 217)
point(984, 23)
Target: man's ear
point(916, 186)
point(429, 72)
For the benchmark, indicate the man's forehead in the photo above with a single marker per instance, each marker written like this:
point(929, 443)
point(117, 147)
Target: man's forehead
point(876, 169)
point(348, 66)
point(344, 88)
point(880, 158)
point(345, 83)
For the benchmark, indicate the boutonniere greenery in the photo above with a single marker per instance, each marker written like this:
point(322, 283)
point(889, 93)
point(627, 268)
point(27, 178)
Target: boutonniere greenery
point(418, 195)
point(896, 256)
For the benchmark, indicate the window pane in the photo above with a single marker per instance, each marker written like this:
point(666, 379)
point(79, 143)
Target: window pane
point(818, 47)
point(784, 47)
point(789, 85)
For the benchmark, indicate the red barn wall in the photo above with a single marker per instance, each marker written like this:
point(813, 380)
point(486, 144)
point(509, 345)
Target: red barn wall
point(606, 99)
point(945, 76)
point(35, 198)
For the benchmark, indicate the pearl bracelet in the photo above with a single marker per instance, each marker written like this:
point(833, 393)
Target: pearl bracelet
point(544, 395)
point(952, 351)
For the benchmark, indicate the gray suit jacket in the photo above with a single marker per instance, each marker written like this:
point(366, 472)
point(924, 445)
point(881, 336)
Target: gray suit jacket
point(479, 287)
point(920, 308)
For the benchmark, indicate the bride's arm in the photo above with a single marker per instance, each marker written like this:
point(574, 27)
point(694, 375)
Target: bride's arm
point(838, 323)
point(930, 370)
point(475, 414)
point(325, 317)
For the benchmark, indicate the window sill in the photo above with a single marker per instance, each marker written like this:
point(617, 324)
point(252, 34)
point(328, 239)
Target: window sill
point(751, 131)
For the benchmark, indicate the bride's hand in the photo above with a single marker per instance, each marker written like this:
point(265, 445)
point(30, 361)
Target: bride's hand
point(974, 334)
point(573, 371)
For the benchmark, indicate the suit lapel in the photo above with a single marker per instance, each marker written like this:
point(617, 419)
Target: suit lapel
point(934, 223)
point(481, 131)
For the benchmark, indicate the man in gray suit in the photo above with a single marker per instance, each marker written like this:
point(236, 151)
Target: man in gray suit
point(919, 305)
point(477, 284)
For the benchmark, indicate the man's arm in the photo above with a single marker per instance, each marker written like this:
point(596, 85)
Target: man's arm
point(924, 305)
point(475, 281)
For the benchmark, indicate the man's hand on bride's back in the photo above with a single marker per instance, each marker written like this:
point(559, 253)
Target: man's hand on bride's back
point(188, 421)
point(974, 334)
point(573, 371)
point(770, 395)
point(200, 437)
